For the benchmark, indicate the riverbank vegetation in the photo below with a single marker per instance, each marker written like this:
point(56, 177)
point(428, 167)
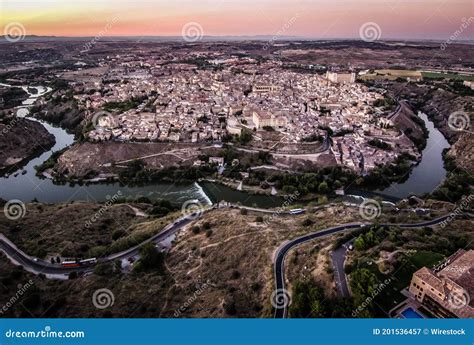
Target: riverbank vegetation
point(458, 182)
point(49, 163)
point(61, 109)
point(240, 167)
point(12, 97)
point(136, 173)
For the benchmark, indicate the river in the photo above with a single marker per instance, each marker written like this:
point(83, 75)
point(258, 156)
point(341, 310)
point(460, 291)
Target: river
point(26, 187)
point(430, 172)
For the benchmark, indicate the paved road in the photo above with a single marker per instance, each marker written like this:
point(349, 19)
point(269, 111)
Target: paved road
point(338, 257)
point(37, 266)
point(281, 252)
point(326, 146)
point(401, 105)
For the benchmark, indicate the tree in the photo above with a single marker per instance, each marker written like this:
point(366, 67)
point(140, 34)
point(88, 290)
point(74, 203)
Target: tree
point(308, 300)
point(359, 243)
point(317, 309)
point(323, 187)
point(117, 234)
point(151, 258)
point(245, 136)
point(118, 266)
point(363, 284)
point(103, 269)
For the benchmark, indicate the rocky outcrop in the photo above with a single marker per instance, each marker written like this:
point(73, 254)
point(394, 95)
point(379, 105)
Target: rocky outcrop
point(21, 139)
point(463, 152)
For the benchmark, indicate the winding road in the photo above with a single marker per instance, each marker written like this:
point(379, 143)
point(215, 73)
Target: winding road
point(38, 266)
point(338, 257)
point(282, 251)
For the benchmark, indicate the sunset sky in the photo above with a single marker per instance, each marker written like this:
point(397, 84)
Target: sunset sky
point(410, 19)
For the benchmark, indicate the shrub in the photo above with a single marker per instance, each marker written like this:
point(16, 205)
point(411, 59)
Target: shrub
point(229, 307)
point(151, 258)
point(117, 234)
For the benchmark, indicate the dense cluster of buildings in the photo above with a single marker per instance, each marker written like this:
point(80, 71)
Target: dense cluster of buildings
point(175, 101)
point(446, 291)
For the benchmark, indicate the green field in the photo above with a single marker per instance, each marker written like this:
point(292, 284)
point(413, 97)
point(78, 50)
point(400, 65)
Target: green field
point(391, 74)
point(435, 75)
point(390, 296)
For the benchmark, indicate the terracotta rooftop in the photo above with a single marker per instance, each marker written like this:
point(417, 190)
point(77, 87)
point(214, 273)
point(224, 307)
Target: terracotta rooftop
point(458, 273)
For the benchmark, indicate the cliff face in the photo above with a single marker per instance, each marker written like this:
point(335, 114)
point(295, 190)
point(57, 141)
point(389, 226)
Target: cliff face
point(12, 96)
point(441, 105)
point(439, 102)
point(20, 139)
point(463, 152)
point(435, 101)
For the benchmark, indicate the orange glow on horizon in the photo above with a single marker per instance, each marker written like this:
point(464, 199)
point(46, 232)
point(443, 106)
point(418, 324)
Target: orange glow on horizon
point(305, 18)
